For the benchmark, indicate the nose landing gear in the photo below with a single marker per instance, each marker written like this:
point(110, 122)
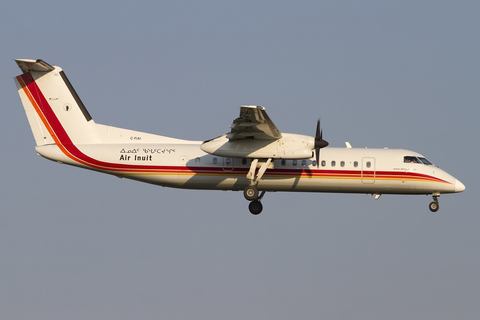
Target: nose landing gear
point(434, 206)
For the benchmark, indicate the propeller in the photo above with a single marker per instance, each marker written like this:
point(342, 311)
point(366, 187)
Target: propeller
point(319, 142)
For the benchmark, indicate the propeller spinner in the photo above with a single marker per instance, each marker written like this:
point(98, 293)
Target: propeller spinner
point(319, 142)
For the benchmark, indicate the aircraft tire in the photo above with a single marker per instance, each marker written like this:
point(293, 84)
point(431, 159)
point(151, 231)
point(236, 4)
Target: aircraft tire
point(255, 207)
point(433, 206)
point(250, 193)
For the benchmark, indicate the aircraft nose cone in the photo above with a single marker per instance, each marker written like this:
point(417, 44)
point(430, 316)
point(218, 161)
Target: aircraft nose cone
point(459, 187)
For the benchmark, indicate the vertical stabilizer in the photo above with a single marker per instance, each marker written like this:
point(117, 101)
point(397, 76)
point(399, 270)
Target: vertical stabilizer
point(55, 112)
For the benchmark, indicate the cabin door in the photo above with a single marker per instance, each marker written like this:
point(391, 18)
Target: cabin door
point(368, 170)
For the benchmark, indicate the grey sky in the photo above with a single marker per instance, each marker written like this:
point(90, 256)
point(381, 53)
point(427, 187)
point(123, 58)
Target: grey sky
point(81, 245)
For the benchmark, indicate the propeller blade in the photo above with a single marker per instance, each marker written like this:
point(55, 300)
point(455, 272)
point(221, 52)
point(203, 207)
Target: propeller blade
point(318, 133)
point(319, 142)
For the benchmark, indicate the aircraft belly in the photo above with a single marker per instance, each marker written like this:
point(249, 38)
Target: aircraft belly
point(292, 184)
point(384, 186)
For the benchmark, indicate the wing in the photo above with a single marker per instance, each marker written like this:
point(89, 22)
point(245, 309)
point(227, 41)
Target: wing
point(253, 135)
point(253, 123)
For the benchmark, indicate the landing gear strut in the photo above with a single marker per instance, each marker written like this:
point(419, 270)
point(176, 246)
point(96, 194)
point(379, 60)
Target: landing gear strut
point(434, 206)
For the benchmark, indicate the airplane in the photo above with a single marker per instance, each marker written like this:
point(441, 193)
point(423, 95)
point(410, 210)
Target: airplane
point(254, 156)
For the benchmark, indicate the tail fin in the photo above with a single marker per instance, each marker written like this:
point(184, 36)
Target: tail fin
point(55, 112)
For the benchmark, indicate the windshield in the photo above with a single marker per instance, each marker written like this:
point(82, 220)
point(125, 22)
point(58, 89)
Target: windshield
point(425, 161)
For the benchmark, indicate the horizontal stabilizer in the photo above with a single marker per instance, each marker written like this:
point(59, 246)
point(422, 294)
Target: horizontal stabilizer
point(27, 65)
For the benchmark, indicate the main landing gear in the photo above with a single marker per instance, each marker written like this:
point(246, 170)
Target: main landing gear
point(251, 192)
point(434, 206)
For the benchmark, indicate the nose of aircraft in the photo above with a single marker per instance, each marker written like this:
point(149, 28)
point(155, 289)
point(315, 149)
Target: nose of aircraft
point(459, 187)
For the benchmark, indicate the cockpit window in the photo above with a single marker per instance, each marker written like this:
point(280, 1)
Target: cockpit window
point(410, 159)
point(425, 161)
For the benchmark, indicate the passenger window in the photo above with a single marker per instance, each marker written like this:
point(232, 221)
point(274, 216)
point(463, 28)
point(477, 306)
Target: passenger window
point(355, 164)
point(304, 163)
point(324, 163)
point(333, 163)
point(197, 160)
point(228, 161)
point(244, 161)
point(294, 162)
point(314, 163)
point(284, 162)
point(368, 164)
point(214, 160)
point(342, 164)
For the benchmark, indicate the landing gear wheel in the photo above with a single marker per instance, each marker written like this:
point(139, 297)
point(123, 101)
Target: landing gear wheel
point(255, 207)
point(250, 193)
point(434, 206)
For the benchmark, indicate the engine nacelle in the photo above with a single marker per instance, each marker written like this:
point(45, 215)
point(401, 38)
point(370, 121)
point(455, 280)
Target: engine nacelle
point(290, 146)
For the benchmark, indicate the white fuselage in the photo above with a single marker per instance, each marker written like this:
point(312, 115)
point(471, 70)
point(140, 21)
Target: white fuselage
point(182, 164)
